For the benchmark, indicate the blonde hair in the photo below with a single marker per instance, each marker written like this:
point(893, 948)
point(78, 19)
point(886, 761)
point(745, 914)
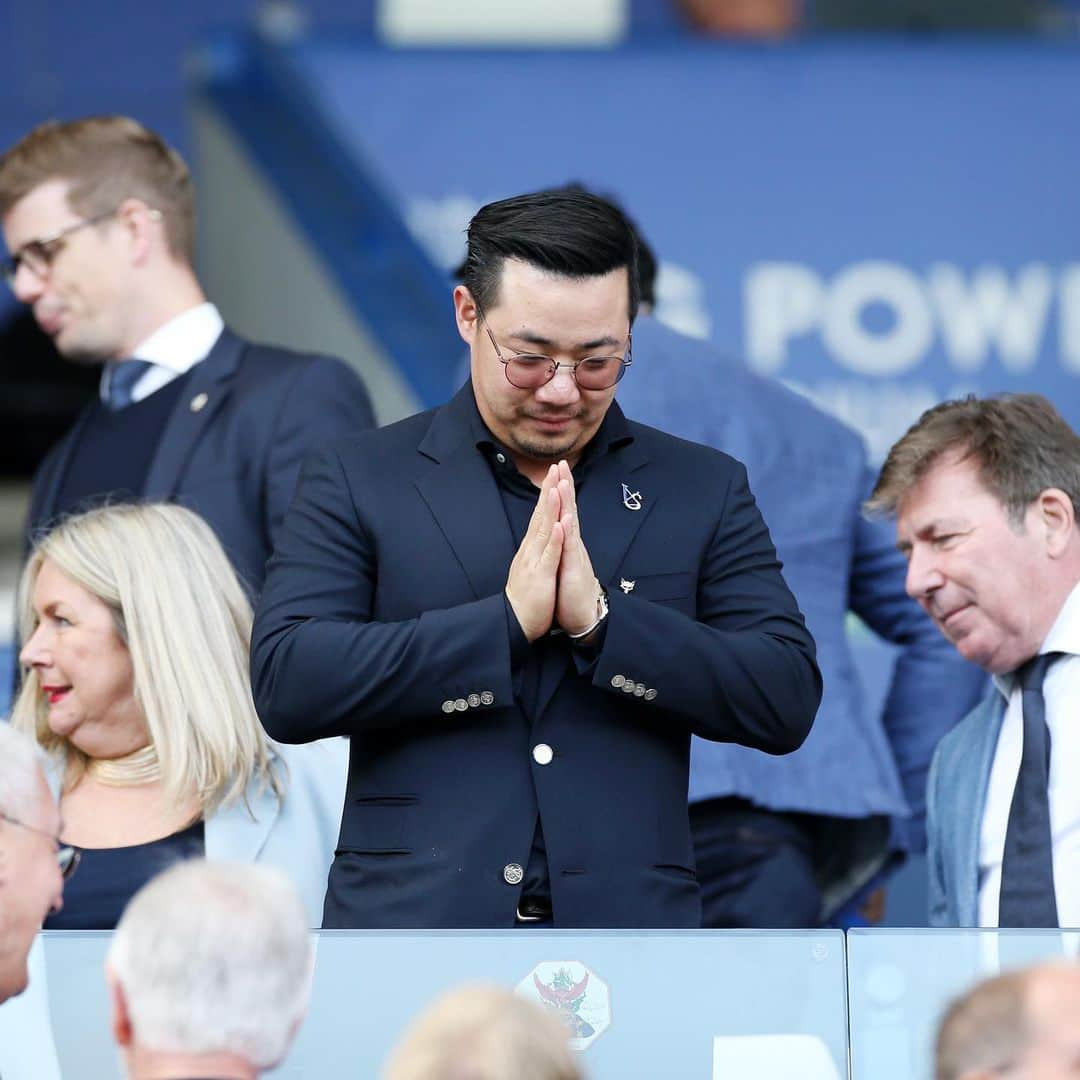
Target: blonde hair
point(484, 1033)
point(186, 622)
point(987, 1028)
point(105, 159)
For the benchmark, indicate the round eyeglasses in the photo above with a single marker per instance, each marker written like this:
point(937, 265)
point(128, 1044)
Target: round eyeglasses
point(37, 255)
point(530, 371)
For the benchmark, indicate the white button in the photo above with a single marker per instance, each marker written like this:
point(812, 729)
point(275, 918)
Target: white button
point(512, 873)
point(473, 700)
point(542, 754)
point(487, 698)
point(639, 690)
point(198, 402)
point(448, 706)
point(461, 704)
point(629, 686)
point(650, 694)
point(618, 680)
point(500, 458)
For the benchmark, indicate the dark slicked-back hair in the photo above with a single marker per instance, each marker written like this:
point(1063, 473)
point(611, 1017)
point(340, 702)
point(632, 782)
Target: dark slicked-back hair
point(1019, 442)
point(565, 231)
point(646, 259)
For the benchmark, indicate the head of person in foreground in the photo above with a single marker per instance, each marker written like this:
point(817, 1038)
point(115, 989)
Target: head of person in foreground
point(209, 972)
point(1024, 1025)
point(484, 1033)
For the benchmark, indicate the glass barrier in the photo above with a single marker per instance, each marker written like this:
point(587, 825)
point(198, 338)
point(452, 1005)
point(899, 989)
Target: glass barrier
point(723, 1005)
point(726, 1005)
point(900, 981)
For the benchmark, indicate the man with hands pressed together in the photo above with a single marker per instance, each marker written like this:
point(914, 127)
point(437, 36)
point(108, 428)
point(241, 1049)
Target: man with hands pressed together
point(551, 580)
point(520, 606)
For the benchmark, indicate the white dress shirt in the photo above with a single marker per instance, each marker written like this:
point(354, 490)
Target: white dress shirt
point(1061, 691)
point(173, 349)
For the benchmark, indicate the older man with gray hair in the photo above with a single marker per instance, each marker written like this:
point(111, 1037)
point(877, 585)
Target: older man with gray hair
point(210, 972)
point(32, 861)
point(986, 494)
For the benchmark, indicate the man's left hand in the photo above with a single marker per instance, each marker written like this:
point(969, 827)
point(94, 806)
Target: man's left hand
point(576, 604)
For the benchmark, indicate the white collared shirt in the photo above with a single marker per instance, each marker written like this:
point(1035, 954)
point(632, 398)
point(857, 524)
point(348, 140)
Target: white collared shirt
point(173, 349)
point(1061, 691)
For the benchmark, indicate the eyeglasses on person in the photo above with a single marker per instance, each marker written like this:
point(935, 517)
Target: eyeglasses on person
point(38, 255)
point(530, 371)
point(67, 856)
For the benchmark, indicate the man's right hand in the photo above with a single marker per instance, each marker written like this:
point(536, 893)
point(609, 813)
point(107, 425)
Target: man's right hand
point(531, 584)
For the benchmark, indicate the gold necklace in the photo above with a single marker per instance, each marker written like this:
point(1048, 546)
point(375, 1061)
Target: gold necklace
point(139, 767)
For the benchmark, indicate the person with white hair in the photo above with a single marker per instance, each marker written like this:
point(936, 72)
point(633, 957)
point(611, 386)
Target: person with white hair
point(136, 684)
point(209, 972)
point(33, 863)
point(484, 1033)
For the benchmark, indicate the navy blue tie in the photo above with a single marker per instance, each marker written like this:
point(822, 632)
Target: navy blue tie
point(1027, 868)
point(123, 375)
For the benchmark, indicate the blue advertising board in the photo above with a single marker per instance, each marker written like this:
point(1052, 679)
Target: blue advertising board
point(883, 223)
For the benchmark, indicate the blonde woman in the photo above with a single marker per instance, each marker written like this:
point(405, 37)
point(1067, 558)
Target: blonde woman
point(136, 683)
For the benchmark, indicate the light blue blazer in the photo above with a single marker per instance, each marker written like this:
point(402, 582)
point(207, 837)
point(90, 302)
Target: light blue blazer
point(298, 835)
point(955, 799)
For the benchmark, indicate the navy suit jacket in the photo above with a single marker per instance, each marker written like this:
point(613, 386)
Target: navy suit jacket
point(383, 618)
point(234, 459)
point(810, 476)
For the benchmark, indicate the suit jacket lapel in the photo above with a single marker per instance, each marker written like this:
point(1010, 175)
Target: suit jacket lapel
point(608, 527)
point(205, 393)
point(464, 499)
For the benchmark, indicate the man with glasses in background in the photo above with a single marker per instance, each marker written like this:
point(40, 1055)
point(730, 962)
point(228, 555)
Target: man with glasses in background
point(99, 220)
point(33, 863)
point(520, 606)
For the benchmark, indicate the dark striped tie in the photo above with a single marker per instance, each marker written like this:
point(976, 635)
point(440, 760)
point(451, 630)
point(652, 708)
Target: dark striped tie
point(1027, 868)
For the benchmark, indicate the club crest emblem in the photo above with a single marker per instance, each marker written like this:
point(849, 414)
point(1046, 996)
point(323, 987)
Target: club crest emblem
point(577, 996)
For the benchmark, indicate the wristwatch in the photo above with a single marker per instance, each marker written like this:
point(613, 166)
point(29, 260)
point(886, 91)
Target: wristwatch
point(601, 613)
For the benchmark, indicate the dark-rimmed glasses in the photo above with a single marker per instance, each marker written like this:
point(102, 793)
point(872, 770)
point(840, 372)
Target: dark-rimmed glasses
point(37, 255)
point(530, 371)
point(67, 856)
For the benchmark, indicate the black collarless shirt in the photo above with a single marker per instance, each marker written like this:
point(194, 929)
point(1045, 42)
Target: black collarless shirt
point(519, 495)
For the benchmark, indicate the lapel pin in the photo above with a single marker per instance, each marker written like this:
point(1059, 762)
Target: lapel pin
point(631, 499)
point(198, 402)
point(626, 586)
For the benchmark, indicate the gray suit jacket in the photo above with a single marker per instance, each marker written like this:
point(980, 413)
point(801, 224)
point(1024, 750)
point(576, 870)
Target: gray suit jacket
point(955, 799)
